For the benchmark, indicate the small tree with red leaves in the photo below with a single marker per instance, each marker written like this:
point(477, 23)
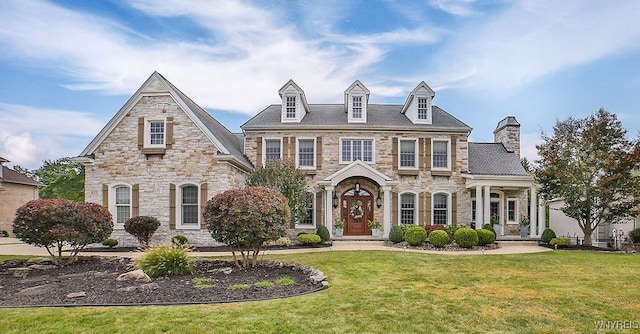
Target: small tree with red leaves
point(245, 219)
point(54, 223)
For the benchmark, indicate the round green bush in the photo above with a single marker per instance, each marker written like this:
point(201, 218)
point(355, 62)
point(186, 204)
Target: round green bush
point(110, 243)
point(547, 235)
point(309, 239)
point(489, 227)
point(323, 233)
point(485, 237)
point(560, 242)
point(396, 235)
point(165, 261)
point(438, 238)
point(415, 235)
point(466, 237)
point(179, 240)
point(635, 235)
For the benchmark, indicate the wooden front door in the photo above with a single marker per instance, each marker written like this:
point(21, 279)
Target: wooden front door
point(357, 210)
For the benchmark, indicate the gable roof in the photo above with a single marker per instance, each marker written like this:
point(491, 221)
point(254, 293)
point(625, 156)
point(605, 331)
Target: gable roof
point(156, 84)
point(11, 176)
point(494, 159)
point(333, 116)
point(421, 86)
point(295, 86)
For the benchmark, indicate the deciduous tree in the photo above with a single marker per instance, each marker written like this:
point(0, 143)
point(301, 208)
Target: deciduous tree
point(591, 165)
point(62, 178)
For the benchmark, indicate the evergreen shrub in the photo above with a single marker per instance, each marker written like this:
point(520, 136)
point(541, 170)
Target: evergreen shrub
point(415, 235)
point(438, 238)
point(466, 237)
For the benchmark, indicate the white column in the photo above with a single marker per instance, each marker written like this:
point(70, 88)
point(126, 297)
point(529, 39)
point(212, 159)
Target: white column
point(533, 207)
point(487, 204)
point(387, 211)
point(479, 208)
point(541, 217)
point(328, 209)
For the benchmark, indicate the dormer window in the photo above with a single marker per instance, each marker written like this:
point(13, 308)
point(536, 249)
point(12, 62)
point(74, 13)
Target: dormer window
point(423, 108)
point(357, 107)
point(418, 107)
point(290, 107)
point(356, 98)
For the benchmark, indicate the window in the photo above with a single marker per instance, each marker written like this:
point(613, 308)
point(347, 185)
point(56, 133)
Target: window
point(473, 209)
point(408, 153)
point(512, 211)
point(440, 209)
point(308, 220)
point(423, 107)
point(272, 150)
point(155, 133)
point(122, 204)
point(306, 154)
point(189, 205)
point(357, 107)
point(291, 107)
point(408, 209)
point(356, 149)
point(440, 154)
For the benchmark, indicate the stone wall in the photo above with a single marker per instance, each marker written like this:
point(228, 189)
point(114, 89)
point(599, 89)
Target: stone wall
point(191, 159)
point(13, 196)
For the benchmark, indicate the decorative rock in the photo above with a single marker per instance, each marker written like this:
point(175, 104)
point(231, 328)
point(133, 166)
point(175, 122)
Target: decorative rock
point(136, 275)
point(77, 295)
point(40, 260)
point(317, 278)
point(19, 272)
point(225, 270)
point(144, 287)
point(42, 266)
point(36, 290)
point(325, 284)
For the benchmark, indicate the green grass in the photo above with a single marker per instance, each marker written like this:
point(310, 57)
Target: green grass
point(285, 281)
point(264, 284)
point(203, 282)
point(395, 292)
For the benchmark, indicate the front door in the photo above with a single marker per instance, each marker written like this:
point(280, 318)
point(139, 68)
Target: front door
point(357, 210)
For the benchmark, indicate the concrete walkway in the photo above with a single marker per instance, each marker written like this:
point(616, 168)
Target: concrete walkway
point(12, 246)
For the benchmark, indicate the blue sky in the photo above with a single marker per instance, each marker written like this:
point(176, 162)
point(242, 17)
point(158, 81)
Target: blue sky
point(66, 67)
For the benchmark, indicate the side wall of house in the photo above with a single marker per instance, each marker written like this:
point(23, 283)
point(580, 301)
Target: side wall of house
point(12, 197)
point(190, 160)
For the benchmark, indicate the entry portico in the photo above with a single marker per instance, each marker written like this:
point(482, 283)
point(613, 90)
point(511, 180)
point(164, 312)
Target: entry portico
point(346, 179)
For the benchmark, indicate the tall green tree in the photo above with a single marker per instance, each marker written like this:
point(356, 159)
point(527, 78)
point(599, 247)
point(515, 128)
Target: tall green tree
point(284, 177)
point(62, 178)
point(25, 171)
point(591, 165)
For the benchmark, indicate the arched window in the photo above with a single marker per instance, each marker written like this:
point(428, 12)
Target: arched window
point(408, 209)
point(441, 208)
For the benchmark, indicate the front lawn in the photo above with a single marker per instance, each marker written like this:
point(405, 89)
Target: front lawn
point(396, 292)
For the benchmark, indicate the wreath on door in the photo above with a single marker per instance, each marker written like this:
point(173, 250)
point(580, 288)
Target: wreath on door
point(356, 210)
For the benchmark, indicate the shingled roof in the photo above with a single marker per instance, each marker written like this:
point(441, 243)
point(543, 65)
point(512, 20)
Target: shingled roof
point(332, 116)
point(11, 176)
point(493, 159)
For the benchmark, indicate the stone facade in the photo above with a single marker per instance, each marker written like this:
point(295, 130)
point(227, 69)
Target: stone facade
point(13, 196)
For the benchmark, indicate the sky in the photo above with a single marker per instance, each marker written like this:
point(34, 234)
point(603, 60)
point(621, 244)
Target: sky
point(67, 67)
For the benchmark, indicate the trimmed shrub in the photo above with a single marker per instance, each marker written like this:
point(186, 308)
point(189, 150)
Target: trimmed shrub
point(431, 228)
point(245, 219)
point(485, 237)
point(165, 261)
point(415, 235)
point(466, 237)
point(438, 238)
point(179, 240)
point(560, 242)
point(53, 223)
point(283, 241)
point(110, 243)
point(142, 227)
point(489, 227)
point(634, 235)
point(323, 233)
point(547, 235)
point(309, 239)
point(396, 235)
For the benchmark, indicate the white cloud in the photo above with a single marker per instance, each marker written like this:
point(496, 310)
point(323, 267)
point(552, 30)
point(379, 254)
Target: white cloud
point(455, 7)
point(30, 135)
point(528, 142)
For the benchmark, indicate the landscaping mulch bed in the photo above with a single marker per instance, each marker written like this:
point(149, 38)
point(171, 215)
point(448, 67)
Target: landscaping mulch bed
point(452, 247)
point(92, 281)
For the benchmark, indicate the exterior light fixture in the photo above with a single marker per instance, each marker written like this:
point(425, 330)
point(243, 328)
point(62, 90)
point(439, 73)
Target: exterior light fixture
point(378, 200)
point(335, 201)
point(357, 190)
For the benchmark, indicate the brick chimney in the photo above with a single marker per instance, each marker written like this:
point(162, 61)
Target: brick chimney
point(508, 133)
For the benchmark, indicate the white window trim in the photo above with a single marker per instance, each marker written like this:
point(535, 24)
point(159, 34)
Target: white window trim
point(363, 102)
point(264, 148)
point(179, 223)
point(284, 108)
point(429, 118)
point(373, 150)
point(313, 215)
point(415, 153)
point(415, 206)
point(448, 141)
point(449, 208)
point(147, 133)
point(112, 203)
point(313, 166)
point(516, 214)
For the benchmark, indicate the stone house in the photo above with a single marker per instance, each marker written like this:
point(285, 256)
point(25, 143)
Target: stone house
point(15, 191)
point(164, 156)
